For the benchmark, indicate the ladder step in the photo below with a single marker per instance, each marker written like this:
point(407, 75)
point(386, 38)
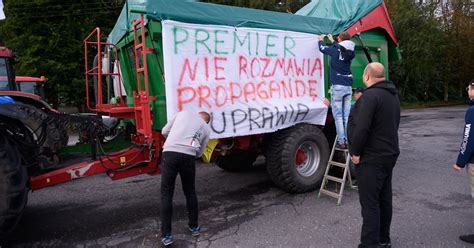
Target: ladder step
point(342, 150)
point(335, 179)
point(337, 164)
point(329, 193)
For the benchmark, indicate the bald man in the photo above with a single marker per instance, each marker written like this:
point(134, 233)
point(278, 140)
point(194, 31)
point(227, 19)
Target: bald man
point(373, 145)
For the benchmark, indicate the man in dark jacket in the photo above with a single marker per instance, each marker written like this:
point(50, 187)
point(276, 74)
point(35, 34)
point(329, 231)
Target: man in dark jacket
point(373, 144)
point(466, 153)
point(340, 79)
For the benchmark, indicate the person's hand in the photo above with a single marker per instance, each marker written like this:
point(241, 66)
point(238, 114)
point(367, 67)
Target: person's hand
point(456, 168)
point(326, 102)
point(355, 159)
point(331, 39)
point(321, 37)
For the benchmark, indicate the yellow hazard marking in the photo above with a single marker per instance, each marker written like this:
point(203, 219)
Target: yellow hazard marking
point(207, 154)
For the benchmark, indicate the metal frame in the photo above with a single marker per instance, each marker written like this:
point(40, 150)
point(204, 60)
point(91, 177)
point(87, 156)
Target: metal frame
point(143, 118)
point(136, 160)
point(346, 176)
point(144, 155)
point(119, 110)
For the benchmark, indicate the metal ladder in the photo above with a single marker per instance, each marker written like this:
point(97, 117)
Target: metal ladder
point(346, 176)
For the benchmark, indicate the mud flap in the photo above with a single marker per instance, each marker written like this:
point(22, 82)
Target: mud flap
point(207, 155)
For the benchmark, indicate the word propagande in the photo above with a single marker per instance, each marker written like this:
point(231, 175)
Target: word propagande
point(220, 95)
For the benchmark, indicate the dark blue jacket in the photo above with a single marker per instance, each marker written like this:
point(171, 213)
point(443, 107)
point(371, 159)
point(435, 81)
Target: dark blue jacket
point(466, 152)
point(341, 59)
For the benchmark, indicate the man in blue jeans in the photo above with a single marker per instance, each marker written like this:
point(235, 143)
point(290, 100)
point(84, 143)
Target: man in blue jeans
point(186, 138)
point(340, 79)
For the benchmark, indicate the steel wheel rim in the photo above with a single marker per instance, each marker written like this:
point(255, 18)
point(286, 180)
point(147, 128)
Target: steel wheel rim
point(308, 167)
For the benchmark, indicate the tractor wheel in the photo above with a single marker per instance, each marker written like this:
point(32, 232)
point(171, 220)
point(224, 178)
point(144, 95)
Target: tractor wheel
point(238, 160)
point(13, 186)
point(46, 132)
point(297, 157)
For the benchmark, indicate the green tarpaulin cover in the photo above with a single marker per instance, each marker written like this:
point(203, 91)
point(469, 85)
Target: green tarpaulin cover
point(318, 17)
point(346, 12)
point(124, 22)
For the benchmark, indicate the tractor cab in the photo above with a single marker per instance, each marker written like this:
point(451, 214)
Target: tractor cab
point(7, 82)
point(32, 85)
point(28, 90)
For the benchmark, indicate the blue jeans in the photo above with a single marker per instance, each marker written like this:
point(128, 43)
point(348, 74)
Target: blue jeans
point(341, 97)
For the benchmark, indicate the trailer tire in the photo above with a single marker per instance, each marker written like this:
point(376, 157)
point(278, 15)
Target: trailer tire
point(297, 157)
point(237, 161)
point(13, 187)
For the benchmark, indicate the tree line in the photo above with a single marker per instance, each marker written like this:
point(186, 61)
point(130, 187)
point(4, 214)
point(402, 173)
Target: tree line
point(435, 40)
point(47, 37)
point(437, 48)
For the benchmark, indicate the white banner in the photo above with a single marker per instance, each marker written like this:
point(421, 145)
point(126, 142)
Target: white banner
point(251, 80)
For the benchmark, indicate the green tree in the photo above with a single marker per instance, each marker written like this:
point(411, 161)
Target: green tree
point(457, 24)
point(421, 43)
point(47, 37)
point(436, 48)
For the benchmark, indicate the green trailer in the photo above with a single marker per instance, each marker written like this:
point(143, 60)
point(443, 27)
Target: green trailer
point(289, 160)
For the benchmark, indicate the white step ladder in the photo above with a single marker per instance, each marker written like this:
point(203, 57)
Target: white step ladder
point(346, 176)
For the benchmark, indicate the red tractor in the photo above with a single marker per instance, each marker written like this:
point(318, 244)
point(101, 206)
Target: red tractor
point(30, 139)
point(33, 85)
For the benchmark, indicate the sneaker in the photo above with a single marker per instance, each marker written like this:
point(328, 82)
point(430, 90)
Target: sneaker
point(467, 238)
point(167, 240)
point(195, 231)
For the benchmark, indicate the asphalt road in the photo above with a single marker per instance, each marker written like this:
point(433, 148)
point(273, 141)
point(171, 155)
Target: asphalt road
point(432, 205)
